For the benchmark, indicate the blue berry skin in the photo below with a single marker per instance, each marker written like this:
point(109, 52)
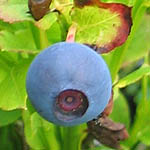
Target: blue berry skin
point(72, 66)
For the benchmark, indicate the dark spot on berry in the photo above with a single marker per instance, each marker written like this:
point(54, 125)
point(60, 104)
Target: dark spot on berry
point(70, 104)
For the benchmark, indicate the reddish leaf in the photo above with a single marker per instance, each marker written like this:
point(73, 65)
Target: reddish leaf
point(14, 12)
point(124, 13)
point(107, 132)
point(108, 110)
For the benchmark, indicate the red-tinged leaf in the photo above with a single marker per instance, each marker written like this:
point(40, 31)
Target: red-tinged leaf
point(71, 34)
point(102, 26)
point(14, 12)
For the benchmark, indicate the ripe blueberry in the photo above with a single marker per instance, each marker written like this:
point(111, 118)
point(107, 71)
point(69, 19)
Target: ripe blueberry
point(68, 84)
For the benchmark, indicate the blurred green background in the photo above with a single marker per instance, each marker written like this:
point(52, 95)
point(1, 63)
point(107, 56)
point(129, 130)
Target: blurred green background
point(21, 39)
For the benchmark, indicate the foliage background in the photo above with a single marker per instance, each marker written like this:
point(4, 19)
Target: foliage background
point(21, 39)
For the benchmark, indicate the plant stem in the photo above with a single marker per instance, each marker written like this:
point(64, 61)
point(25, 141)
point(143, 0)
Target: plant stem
point(72, 137)
point(39, 37)
point(43, 39)
point(35, 34)
point(145, 80)
point(144, 88)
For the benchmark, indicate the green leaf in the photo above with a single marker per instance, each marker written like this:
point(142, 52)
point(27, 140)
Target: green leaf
point(120, 111)
point(9, 27)
point(54, 34)
point(138, 49)
point(14, 11)
point(47, 21)
point(147, 4)
point(144, 136)
point(10, 138)
point(12, 84)
point(7, 117)
point(19, 41)
point(31, 109)
point(126, 2)
point(133, 77)
point(141, 129)
point(39, 133)
point(101, 147)
point(95, 25)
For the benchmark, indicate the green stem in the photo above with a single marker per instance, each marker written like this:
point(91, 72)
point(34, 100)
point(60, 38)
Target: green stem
point(145, 80)
point(35, 34)
point(144, 88)
point(43, 39)
point(39, 37)
point(51, 140)
point(58, 135)
point(71, 138)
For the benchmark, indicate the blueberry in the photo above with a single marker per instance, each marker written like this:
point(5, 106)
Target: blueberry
point(68, 84)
